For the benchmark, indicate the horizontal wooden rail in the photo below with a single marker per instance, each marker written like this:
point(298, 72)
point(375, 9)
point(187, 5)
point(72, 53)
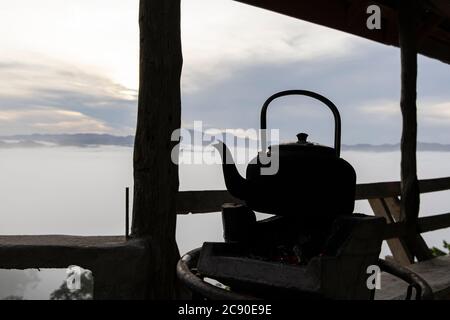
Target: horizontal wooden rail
point(386, 192)
point(211, 201)
point(392, 189)
point(432, 223)
point(425, 224)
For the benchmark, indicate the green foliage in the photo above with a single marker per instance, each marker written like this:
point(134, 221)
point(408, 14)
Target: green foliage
point(84, 293)
point(438, 252)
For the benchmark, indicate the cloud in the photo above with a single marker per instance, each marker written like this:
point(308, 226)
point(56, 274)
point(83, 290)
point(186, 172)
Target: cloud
point(34, 75)
point(364, 84)
point(431, 113)
point(220, 37)
point(50, 120)
point(75, 56)
point(44, 96)
point(437, 114)
point(101, 34)
point(381, 108)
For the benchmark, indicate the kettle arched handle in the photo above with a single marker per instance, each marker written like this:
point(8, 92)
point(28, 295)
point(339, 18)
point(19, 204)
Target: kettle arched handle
point(327, 102)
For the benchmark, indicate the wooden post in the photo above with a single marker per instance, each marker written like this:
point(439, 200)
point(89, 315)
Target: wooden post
point(410, 196)
point(159, 112)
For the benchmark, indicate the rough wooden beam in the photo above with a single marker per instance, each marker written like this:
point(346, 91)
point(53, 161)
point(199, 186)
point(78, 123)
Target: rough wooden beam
point(410, 194)
point(399, 250)
point(205, 201)
point(429, 27)
point(409, 183)
point(340, 15)
point(159, 112)
point(425, 224)
point(394, 206)
point(433, 185)
point(392, 189)
point(432, 223)
point(119, 266)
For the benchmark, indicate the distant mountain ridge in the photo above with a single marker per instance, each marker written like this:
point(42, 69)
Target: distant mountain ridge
point(74, 140)
point(421, 146)
point(94, 139)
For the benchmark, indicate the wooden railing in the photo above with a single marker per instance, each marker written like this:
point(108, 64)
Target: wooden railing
point(383, 198)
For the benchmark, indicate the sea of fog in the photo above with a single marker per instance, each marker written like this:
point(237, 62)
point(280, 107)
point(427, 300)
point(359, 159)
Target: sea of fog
point(80, 191)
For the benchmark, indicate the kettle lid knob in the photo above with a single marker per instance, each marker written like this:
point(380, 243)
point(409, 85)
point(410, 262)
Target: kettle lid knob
point(302, 137)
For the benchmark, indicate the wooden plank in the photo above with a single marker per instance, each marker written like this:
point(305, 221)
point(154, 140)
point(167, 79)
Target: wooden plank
point(119, 266)
point(432, 223)
point(394, 207)
point(377, 190)
point(63, 241)
point(335, 14)
point(204, 201)
point(399, 250)
point(392, 189)
point(434, 272)
point(425, 224)
point(212, 201)
point(434, 185)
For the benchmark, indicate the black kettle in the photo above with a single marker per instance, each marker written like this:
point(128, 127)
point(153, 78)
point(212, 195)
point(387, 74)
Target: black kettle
point(310, 181)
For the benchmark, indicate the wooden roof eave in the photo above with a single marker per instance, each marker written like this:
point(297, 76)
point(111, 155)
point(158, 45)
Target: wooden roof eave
point(350, 16)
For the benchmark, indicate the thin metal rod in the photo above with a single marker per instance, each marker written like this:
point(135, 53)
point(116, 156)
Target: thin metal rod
point(127, 212)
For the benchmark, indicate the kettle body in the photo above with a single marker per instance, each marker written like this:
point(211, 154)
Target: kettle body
point(312, 182)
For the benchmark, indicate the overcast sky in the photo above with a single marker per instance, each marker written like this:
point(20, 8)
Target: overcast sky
point(72, 66)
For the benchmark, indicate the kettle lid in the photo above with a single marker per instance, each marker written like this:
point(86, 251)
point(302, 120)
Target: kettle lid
point(303, 145)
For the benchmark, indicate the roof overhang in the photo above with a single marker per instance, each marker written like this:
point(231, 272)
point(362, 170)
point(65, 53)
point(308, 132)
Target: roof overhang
point(351, 16)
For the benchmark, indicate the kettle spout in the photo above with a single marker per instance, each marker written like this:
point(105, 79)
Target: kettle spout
point(235, 183)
